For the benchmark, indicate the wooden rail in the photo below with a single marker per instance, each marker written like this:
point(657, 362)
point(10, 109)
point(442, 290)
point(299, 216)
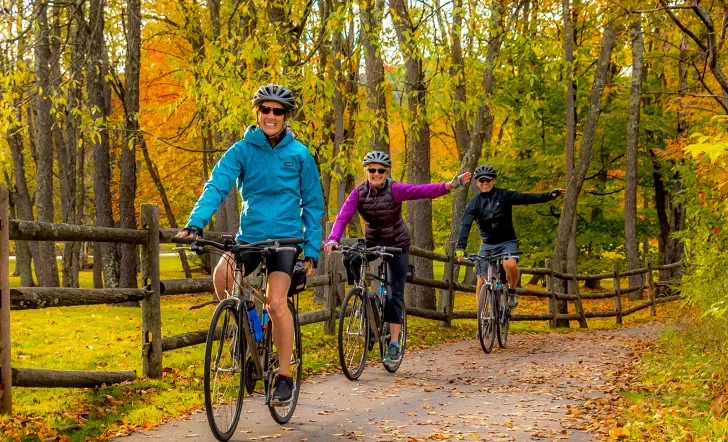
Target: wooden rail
point(332, 278)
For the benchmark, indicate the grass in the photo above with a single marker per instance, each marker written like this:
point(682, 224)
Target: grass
point(680, 390)
point(109, 338)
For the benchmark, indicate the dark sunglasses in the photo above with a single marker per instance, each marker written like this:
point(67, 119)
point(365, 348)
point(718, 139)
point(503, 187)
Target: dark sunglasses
point(277, 111)
point(485, 179)
point(380, 171)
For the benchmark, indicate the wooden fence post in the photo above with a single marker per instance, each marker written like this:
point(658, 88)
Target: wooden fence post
point(579, 307)
point(447, 297)
point(330, 291)
point(151, 309)
point(618, 294)
point(651, 286)
point(6, 390)
point(550, 289)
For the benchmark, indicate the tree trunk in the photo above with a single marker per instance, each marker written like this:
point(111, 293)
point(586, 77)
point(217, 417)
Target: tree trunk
point(100, 142)
point(371, 13)
point(46, 266)
point(482, 129)
point(570, 99)
point(127, 162)
point(152, 169)
point(568, 213)
point(68, 157)
point(660, 204)
point(23, 204)
point(419, 213)
point(631, 245)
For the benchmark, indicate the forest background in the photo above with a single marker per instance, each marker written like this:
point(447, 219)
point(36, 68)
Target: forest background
point(107, 105)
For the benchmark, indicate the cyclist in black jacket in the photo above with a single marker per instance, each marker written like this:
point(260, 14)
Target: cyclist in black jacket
point(491, 209)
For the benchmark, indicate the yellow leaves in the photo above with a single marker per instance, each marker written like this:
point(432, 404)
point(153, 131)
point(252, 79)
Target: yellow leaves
point(619, 433)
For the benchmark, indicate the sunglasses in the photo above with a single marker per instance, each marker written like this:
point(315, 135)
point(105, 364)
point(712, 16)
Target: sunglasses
point(277, 111)
point(485, 179)
point(380, 171)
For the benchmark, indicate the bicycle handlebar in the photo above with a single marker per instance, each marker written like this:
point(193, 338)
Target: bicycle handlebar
point(377, 250)
point(266, 246)
point(492, 257)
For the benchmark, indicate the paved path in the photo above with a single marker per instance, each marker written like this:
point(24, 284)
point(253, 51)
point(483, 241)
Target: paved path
point(529, 391)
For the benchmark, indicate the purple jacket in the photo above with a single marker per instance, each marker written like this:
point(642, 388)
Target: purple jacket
point(400, 192)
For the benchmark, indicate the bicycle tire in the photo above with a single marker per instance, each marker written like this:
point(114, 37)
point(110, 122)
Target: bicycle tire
point(504, 322)
point(283, 413)
point(486, 319)
point(223, 391)
point(353, 336)
point(402, 340)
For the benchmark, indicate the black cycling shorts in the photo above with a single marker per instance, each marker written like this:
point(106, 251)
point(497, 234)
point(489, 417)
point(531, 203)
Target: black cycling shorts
point(281, 261)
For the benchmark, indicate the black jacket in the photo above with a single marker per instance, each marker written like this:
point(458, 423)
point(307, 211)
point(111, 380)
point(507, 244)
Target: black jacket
point(493, 213)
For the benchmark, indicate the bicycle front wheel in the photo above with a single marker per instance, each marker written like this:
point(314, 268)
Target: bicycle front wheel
point(224, 371)
point(486, 319)
point(353, 334)
point(504, 318)
point(282, 413)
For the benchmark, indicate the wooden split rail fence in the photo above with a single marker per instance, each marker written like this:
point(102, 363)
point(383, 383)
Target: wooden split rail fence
point(153, 345)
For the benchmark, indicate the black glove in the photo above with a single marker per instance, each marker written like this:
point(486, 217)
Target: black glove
point(193, 230)
point(312, 261)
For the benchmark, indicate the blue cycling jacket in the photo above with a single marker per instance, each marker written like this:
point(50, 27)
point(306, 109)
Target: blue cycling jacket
point(280, 189)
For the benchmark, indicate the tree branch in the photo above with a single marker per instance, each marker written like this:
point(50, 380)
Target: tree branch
point(679, 24)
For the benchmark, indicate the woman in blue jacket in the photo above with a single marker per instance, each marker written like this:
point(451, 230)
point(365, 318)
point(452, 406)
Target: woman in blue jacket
point(281, 198)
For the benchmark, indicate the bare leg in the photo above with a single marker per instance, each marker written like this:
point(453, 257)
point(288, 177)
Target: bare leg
point(478, 287)
point(278, 284)
point(512, 273)
point(223, 276)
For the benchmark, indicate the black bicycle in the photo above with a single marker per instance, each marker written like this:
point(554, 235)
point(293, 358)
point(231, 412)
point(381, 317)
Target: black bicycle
point(240, 349)
point(361, 321)
point(494, 300)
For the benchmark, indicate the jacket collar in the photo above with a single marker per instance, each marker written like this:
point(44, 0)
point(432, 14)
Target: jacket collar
point(256, 136)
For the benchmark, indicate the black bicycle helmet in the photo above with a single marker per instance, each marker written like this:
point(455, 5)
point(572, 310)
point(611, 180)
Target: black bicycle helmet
point(377, 157)
point(277, 93)
point(485, 170)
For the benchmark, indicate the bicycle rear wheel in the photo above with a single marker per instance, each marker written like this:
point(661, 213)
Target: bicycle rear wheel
point(504, 318)
point(353, 335)
point(486, 319)
point(401, 340)
point(224, 371)
point(282, 413)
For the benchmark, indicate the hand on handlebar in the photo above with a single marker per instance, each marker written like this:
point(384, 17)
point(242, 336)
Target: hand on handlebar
point(190, 232)
point(331, 246)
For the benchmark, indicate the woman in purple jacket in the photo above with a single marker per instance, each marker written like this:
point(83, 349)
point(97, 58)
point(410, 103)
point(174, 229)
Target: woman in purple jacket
point(379, 202)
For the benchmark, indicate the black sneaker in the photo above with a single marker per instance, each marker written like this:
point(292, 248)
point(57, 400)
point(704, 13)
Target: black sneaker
point(393, 355)
point(283, 390)
point(512, 298)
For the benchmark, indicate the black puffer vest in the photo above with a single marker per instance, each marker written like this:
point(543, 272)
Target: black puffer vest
point(382, 215)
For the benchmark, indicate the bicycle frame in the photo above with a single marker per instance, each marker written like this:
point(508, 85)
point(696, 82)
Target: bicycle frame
point(245, 332)
point(364, 286)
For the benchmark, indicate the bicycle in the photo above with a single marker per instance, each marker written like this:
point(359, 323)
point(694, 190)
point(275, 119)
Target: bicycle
point(232, 338)
point(361, 321)
point(495, 301)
